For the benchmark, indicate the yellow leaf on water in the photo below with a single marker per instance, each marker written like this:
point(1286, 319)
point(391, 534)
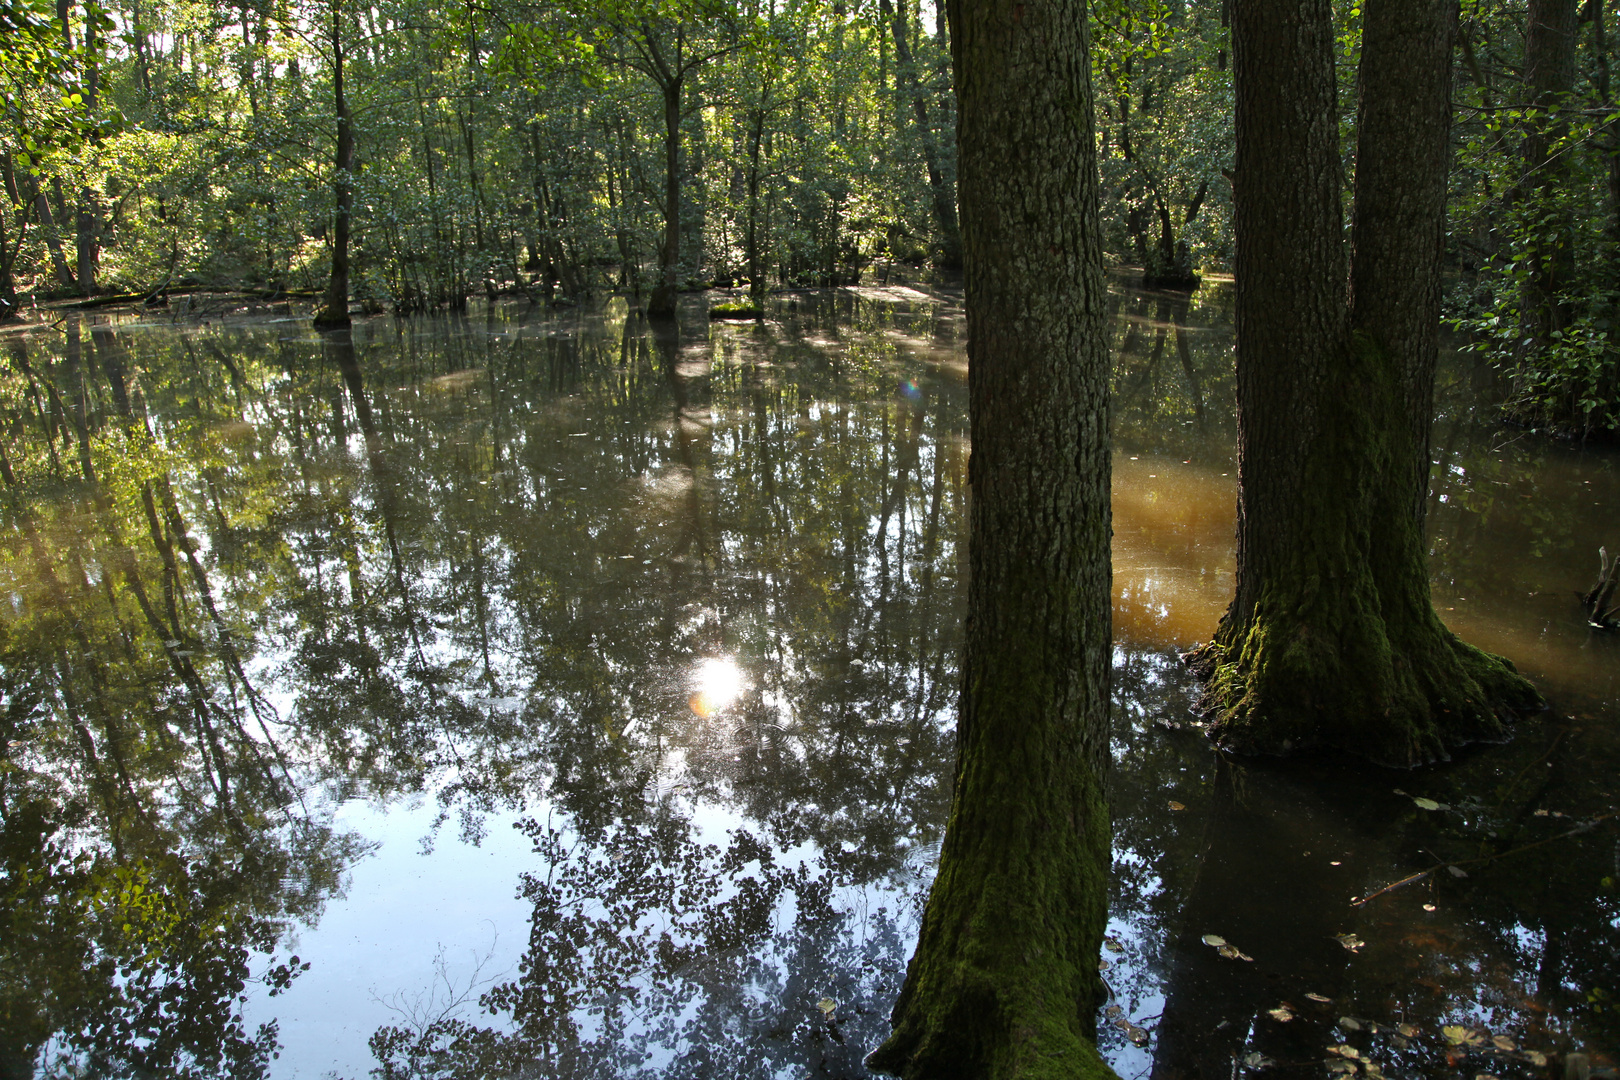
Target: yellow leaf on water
point(1502, 1042)
point(1214, 939)
point(827, 1005)
point(1454, 1034)
point(1176, 806)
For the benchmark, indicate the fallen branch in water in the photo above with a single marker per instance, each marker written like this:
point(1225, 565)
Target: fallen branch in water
point(1599, 612)
point(1586, 826)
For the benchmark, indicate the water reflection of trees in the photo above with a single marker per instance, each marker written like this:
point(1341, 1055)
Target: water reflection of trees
point(481, 562)
point(150, 823)
point(254, 572)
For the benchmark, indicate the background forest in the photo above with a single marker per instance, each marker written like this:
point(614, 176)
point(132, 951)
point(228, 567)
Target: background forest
point(551, 148)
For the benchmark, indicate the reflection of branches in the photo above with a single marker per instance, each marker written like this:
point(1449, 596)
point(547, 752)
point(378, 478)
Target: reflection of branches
point(446, 997)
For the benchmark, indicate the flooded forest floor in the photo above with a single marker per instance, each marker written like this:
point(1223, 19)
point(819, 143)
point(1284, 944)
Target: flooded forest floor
point(548, 690)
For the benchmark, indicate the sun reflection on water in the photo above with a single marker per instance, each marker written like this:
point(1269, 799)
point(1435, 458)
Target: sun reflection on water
point(716, 682)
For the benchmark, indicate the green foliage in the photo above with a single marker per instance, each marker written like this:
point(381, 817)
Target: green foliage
point(1535, 225)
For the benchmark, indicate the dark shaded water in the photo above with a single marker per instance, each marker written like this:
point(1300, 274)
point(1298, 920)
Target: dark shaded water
point(575, 699)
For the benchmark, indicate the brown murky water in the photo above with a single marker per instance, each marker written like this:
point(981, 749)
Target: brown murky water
point(575, 697)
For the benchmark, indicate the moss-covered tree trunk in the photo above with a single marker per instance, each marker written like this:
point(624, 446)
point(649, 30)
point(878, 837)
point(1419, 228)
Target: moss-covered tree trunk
point(1004, 981)
point(1331, 641)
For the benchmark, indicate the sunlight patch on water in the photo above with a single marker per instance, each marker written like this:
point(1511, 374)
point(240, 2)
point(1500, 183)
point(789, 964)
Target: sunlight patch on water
point(716, 683)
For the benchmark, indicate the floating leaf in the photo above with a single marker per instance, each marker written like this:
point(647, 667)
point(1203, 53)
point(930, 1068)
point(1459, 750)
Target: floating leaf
point(1318, 997)
point(1254, 1059)
point(1349, 1024)
point(1408, 1030)
point(1454, 1034)
point(1103, 965)
point(1112, 1011)
point(1483, 1076)
point(1345, 1050)
point(1137, 1035)
point(1231, 952)
point(1425, 804)
point(1349, 941)
point(1214, 939)
point(1339, 1065)
point(1372, 1068)
point(1113, 944)
point(1536, 1058)
point(827, 1005)
point(1282, 1013)
point(1398, 1042)
point(1176, 806)
point(1429, 907)
point(1456, 871)
point(1502, 1042)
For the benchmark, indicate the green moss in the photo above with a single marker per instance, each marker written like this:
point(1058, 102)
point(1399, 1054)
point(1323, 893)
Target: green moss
point(1004, 981)
point(736, 310)
point(1342, 649)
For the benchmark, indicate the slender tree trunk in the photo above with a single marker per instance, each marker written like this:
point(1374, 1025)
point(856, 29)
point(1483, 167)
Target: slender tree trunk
point(1004, 981)
point(335, 313)
point(1331, 641)
point(756, 283)
point(1549, 60)
point(661, 305)
point(939, 187)
point(86, 230)
point(53, 239)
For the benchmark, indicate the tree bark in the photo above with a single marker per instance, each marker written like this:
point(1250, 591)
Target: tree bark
point(661, 305)
point(939, 187)
point(335, 312)
point(86, 226)
point(1549, 61)
point(1004, 981)
point(1331, 641)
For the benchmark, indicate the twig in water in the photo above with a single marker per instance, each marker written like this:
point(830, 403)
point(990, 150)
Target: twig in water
point(1585, 826)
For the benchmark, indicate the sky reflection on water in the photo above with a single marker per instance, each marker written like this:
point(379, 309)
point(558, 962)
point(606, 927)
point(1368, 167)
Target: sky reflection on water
point(636, 654)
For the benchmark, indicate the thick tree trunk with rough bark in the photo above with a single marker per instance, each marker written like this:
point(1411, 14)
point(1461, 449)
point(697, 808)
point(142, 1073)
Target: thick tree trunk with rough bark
point(1004, 981)
point(1331, 641)
point(334, 312)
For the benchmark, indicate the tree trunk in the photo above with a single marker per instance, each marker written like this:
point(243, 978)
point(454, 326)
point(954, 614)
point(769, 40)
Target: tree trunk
point(756, 282)
point(1549, 60)
point(944, 199)
point(661, 305)
point(1004, 981)
point(1331, 642)
point(335, 313)
point(53, 238)
point(86, 231)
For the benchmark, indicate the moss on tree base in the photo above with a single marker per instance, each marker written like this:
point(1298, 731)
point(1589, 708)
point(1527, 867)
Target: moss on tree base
point(1004, 982)
point(1332, 643)
point(1290, 687)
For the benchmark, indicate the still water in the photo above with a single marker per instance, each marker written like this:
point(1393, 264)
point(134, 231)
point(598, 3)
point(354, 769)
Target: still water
point(547, 694)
